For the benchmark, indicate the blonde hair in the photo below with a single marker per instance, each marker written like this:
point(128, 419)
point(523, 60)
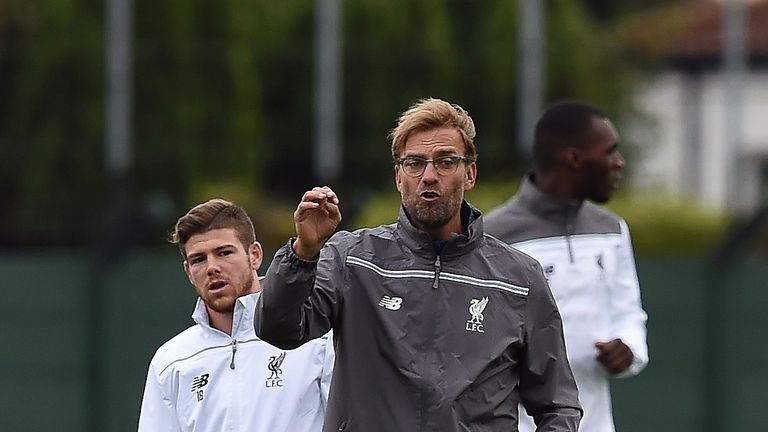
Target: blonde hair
point(431, 113)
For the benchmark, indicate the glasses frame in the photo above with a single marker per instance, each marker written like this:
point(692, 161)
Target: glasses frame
point(440, 171)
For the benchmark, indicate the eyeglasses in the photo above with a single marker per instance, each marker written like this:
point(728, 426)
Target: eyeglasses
point(444, 165)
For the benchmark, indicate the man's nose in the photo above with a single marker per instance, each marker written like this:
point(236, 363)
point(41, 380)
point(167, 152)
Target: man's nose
point(213, 266)
point(620, 162)
point(430, 173)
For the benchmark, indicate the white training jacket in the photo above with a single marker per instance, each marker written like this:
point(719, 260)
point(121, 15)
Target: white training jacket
point(204, 380)
point(587, 256)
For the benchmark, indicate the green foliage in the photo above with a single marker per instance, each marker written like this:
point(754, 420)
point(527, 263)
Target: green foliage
point(199, 96)
point(380, 209)
point(223, 95)
point(272, 218)
point(659, 224)
point(465, 52)
point(201, 85)
point(50, 124)
point(583, 60)
point(663, 225)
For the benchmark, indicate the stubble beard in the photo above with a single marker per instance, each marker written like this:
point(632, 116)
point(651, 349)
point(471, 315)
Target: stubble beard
point(433, 215)
point(226, 303)
point(600, 189)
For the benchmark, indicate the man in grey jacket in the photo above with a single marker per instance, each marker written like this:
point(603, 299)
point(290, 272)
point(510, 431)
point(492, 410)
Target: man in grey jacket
point(438, 327)
point(585, 250)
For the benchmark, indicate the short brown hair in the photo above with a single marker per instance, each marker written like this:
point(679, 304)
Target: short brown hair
point(210, 215)
point(431, 113)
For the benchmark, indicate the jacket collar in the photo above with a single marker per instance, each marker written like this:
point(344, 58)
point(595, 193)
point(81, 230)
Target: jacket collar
point(458, 244)
point(242, 318)
point(543, 205)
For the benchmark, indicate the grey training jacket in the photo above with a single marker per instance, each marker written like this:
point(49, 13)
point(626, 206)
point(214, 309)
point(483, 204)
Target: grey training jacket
point(424, 341)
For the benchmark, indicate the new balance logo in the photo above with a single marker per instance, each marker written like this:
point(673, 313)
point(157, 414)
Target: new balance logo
point(549, 270)
point(476, 308)
point(197, 385)
point(200, 382)
point(391, 303)
point(275, 362)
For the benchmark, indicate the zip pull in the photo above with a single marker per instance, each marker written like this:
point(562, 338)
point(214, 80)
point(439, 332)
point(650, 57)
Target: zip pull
point(234, 350)
point(437, 272)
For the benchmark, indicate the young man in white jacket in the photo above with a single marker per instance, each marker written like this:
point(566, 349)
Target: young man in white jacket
point(585, 251)
point(218, 375)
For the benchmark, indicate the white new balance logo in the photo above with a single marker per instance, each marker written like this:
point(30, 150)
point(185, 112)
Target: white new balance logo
point(391, 303)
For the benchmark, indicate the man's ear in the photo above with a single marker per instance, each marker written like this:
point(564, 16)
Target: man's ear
point(187, 272)
point(255, 255)
point(470, 177)
point(572, 157)
point(398, 178)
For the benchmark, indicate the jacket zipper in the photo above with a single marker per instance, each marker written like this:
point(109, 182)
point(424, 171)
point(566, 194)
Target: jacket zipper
point(437, 272)
point(424, 395)
point(234, 350)
point(568, 232)
point(569, 214)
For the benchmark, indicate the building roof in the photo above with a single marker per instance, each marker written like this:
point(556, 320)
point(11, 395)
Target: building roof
point(690, 32)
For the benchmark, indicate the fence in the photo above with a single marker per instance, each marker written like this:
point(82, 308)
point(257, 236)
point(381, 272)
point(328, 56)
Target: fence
point(54, 379)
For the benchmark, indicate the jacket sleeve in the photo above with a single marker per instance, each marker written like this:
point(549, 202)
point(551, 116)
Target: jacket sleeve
point(547, 387)
point(627, 315)
point(300, 298)
point(158, 412)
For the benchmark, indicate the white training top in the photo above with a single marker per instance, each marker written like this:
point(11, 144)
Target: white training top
point(598, 295)
point(204, 380)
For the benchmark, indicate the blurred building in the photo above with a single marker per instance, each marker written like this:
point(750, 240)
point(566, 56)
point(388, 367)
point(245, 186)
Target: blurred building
point(703, 134)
